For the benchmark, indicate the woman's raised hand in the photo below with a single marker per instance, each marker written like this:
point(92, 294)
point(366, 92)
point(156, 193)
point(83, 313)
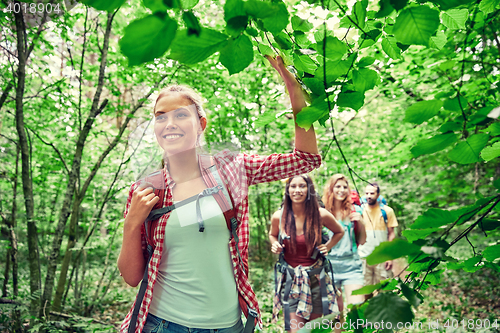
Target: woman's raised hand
point(143, 200)
point(276, 247)
point(280, 67)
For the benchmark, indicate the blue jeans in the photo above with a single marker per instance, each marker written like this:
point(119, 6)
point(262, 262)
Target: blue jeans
point(157, 325)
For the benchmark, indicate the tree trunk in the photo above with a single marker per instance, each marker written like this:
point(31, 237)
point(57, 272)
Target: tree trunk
point(75, 170)
point(34, 265)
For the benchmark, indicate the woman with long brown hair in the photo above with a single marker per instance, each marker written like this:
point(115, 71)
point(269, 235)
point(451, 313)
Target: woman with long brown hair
point(347, 266)
point(296, 230)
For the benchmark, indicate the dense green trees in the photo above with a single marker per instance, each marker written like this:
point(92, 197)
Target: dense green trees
point(405, 92)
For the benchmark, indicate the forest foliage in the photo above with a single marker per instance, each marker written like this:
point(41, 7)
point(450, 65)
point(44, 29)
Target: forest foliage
point(401, 91)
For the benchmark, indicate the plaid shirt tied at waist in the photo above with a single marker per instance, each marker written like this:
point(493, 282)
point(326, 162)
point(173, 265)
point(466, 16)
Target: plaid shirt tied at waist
point(301, 289)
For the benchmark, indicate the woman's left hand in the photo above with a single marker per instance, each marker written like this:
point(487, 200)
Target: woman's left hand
point(323, 249)
point(355, 217)
point(280, 67)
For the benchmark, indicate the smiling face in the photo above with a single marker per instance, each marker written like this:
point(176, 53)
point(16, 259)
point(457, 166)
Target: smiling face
point(298, 190)
point(177, 124)
point(340, 190)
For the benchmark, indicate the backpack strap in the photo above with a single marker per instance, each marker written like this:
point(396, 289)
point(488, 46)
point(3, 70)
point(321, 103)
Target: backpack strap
point(384, 215)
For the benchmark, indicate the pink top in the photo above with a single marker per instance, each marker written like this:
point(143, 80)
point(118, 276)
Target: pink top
point(300, 257)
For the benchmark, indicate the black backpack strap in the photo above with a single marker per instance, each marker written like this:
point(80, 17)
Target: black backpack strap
point(142, 289)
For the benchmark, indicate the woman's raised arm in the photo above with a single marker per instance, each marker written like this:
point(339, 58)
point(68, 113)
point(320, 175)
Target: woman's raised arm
point(304, 140)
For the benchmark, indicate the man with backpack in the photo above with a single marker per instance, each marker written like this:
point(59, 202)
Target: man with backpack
point(380, 221)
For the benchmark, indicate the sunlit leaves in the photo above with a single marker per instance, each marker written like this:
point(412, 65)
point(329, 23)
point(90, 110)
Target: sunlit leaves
point(237, 54)
point(389, 308)
point(313, 112)
point(492, 152)
point(391, 250)
point(455, 104)
point(147, 38)
point(332, 48)
point(192, 23)
point(354, 100)
point(438, 41)
point(415, 234)
point(155, 5)
point(488, 6)
point(193, 49)
point(422, 111)
point(107, 5)
point(434, 144)
point(299, 24)
point(364, 79)
point(279, 21)
point(359, 13)
point(448, 4)
point(389, 45)
point(304, 63)
point(494, 129)
point(416, 24)
point(468, 151)
point(433, 218)
point(455, 18)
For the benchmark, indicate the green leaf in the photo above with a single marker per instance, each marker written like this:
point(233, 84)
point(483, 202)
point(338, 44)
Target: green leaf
point(435, 277)
point(438, 41)
point(448, 4)
point(366, 290)
point(450, 126)
point(107, 5)
point(390, 48)
point(334, 69)
point(416, 25)
point(434, 144)
point(265, 50)
point(237, 54)
point(192, 49)
point(391, 250)
point(422, 111)
point(188, 4)
point(488, 6)
point(284, 42)
point(399, 4)
point(260, 9)
point(492, 252)
point(278, 21)
point(455, 104)
point(192, 23)
point(489, 224)
point(496, 183)
point(332, 48)
point(364, 79)
point(433, 218)
point(388, 308)
point(359, 14)
point(313, 112)
point(366, 61)
point(147, 38)
point(491, 152)
point(353, 100)
point(468, 151)
point(411, 295)
point(317, 87)
point(299, 24)
point(304, 63)
point(155, 5)
point(236, 25)
point(455, 18)
point(413, 235)
point(234, 8)
point(173, 4)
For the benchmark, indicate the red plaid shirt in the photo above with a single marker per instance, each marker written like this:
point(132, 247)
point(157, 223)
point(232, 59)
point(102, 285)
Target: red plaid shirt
point(238, 171)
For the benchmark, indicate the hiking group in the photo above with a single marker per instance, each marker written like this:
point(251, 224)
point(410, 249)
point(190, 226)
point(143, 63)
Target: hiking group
point(186, 233)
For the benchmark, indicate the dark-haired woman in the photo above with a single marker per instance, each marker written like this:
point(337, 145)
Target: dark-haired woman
point(347, 266)
point(197, 277)
point(301, 228)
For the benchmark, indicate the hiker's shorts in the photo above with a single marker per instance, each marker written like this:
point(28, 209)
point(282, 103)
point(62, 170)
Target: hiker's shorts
point(375, 273)
point(157, 325)
point(347, 270)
